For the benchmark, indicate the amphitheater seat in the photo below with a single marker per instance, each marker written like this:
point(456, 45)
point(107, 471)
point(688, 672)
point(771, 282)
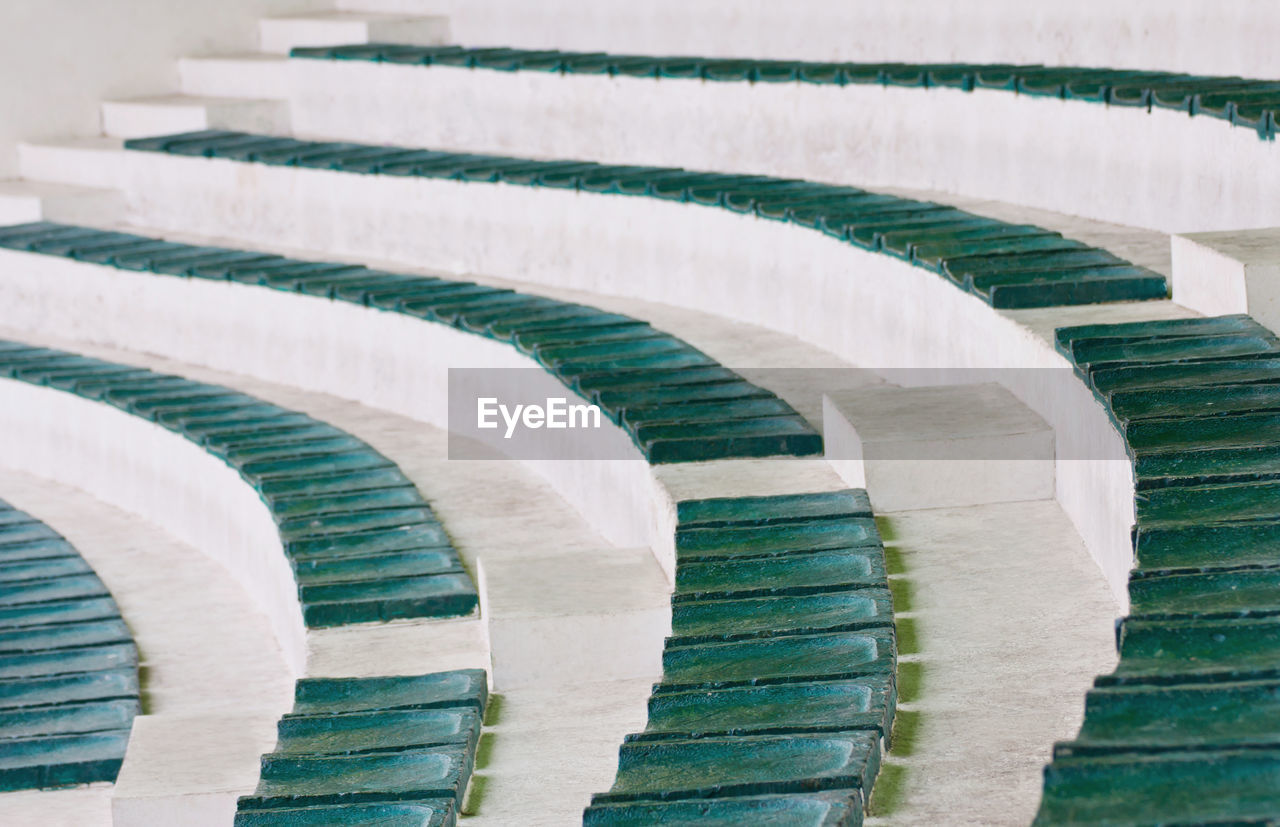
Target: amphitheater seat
point(778, 687)
point(1244, 102)
point(1006, 265)
point(391, 750)
point(1187, 728)
point(68, 664)
point(363, 544)
point(677, 403)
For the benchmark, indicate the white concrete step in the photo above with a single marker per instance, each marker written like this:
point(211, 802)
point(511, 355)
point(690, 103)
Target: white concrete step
point(573, 728)
point(141, 117)
point(280, 34)
point(1002, 603)
point(23, 201)
point(252, 75)
point(1230, 271)
point(83, 162)
point(936, 447)
point(552, 620)
point(220, 763)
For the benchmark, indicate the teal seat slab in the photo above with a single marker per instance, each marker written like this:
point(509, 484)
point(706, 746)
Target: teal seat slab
point(1186, 730)
point(779, 687)
point(69, 687)
point(396, 750)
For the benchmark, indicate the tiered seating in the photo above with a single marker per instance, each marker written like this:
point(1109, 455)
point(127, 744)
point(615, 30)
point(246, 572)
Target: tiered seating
point(1244, 102)
point(363, 544)
point(778, 679)
point(396, 750)
point(1006, 265)
point(68, 663)
point(1185, 729)
point(677, 403)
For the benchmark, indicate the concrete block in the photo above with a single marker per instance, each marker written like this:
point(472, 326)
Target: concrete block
point(553, 620)
point(939, 446)
point(219, 764)
point(24, 201)
point(1229, 271)
point(264, 76)
point(180, 113)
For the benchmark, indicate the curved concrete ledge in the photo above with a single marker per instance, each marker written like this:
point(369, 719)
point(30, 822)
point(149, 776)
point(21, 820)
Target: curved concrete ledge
point(1188, 37)
point(137, 466)
point(1161, 169)
point(870, 309)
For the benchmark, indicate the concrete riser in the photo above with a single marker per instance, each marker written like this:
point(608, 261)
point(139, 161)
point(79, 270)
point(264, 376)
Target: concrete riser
point(1160, 170)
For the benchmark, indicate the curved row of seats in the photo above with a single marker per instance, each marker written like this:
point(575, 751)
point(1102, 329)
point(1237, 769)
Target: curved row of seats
point(677, 403)
point(390, 750)
point(363, 544)
point(68, 664)
point(778, 687)
point(1187, 728)
point(1006, 265)
point(1246, 102)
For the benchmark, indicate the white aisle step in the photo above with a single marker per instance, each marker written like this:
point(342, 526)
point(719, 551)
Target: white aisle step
point(250, 75)
point(280, 34)
point(22, 201)
point(166, 114)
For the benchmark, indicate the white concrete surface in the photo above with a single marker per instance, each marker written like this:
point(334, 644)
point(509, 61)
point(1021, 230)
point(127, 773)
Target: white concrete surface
point(545, 751)
point(402, 647)
point(1003, 623)
point(190, 770)
point(865, 308)
point(1229, 272)
point(166, 114)
point(206, 652)
point(24, 201)
point(1229, 37)
point(280, 34)
point(61, 59)
point(242, 75)
point(1161, 170)
point(914, 448)
point(88, 806)
point(557, 619)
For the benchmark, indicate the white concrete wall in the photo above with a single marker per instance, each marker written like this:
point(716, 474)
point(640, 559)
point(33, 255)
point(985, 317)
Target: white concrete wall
point(1231, 36)
point(1160, 170)
point(60, 58)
